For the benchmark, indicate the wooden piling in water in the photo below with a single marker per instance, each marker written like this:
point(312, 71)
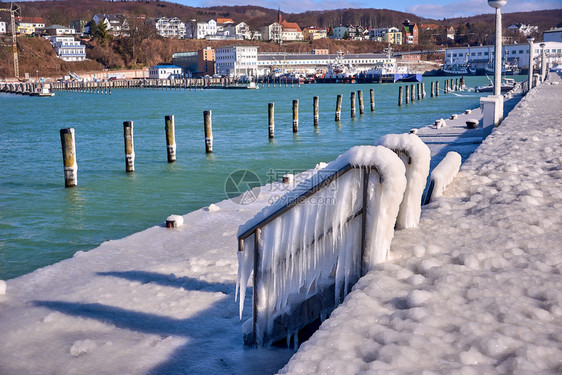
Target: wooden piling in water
point(400, 90)
point(407, 94)
point(352, 97)
point(208, 122)
point(418, 88)
point(413, 93)
point(372, 94)
point(169, 125)
point(315, 106)
point(338, 107)
point(295, 116)
point(437, 88)
point(69, 157)
point(361, 106)
point(129, 146)
point(423, 90)
point(271, 113)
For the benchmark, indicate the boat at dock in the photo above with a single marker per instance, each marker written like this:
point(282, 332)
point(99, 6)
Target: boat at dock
point(43, 92)
point(508, 84)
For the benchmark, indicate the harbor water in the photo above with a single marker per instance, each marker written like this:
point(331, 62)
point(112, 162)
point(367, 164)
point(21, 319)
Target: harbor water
point(42, 222)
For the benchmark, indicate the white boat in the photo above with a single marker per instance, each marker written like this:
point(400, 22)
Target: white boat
point(508, 84)
point(339, 72)
point(253, 86)
point(44, 92)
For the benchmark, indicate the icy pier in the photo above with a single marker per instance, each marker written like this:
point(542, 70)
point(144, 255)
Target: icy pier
point(476, 288)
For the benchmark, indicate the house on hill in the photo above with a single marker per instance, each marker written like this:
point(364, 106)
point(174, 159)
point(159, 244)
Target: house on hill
point(58, 30)
point(28, 25)
point(386, 35)
point(410, 33)
point(115, 24)
point(272, 32)
point(291, 31)
point(314, 33)
point(170, 27)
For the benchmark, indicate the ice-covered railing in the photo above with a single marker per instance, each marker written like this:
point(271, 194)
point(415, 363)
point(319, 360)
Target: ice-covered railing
point(416, 157)
point(308, 249)
point(443, 175)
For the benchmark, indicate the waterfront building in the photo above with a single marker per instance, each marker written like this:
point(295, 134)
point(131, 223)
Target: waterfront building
point(272, 32)
point(170, 27)
point(205, 29)
point(57, 30)
point(480, 56)
point(553, 35)
point(165, 72)
point(290, 31)
point(312, 63)
point(410, 33)
point(237, 60)
point(340, 32)
point(314, 33)
point(115, 24)
point(386, 35)
point(188, 61)
point(68, 49)
point(523, 28)
point(28, 25)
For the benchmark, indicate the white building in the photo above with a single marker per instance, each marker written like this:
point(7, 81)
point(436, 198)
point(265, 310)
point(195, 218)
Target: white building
point(206, 28)
point(523, 28)
point(170, 27)
point(2, 27)
point(58, 30)
point(241, 30)
point(309, 63)
point(553, 35)
point(272, 32)
point(165, 72)
point(480, 56)
point(68, 49)
point(235, 61)
point(116, 25)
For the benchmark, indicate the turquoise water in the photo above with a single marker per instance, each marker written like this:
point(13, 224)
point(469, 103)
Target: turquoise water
point(41, 222)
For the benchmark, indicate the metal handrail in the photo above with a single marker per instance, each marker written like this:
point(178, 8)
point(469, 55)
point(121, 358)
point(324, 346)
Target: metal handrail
point(256, 228)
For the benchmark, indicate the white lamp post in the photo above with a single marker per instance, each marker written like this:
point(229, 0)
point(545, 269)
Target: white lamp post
point(497, 4)
point(543, 61)
point(530, 39)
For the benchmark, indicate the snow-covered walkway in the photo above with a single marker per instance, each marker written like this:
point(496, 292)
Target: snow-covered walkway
point(477, 287)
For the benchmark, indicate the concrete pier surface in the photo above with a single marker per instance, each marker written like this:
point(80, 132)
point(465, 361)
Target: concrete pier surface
point(476, 288)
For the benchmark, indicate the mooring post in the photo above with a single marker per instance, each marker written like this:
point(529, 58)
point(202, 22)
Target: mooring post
point(436, 88)
point(315, 106)
point(419, 91)
point(271, 120)
point(338, 107)
point(446, 87)
point(129, 146)
point(423, 90)
point(169, 125)
point(400, 90)
point(353, 104)
point(69, 157)
point(361, 106)
point(372, 93)
point(407, 94)
point(208, 121)
point(413, 93)
point(295, 115)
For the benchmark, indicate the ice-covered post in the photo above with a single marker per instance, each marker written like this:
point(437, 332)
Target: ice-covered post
point(415, 155)
point(169, 125)
point(208, 121)
point(543, 62)
point(432, 89)
point(361, 106)
point(338, 107)
point(418, 90)
point(271, 116)
point(352, 97)
point(442, 175)
point(400, 89)
point(372, 93)
point(315, 107)
point(497, 4)
point(530, 39)
point(129, 146)
point(423, 90)
point(69, 157)
point(295, 116)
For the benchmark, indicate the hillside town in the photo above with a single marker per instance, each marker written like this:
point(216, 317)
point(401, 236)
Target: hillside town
point(243, 60)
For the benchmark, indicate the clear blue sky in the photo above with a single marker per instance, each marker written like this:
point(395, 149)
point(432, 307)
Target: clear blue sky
point(436, 9)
